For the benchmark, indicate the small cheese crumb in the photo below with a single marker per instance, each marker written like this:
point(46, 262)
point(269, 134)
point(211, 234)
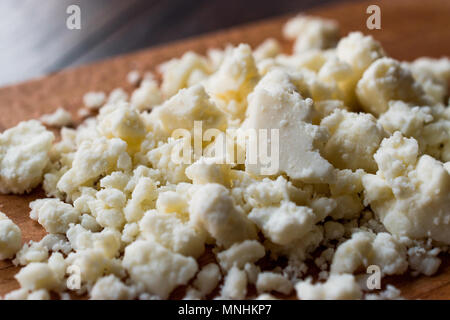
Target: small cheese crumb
point(240, 254)
point(269, 281)
point(235, 285)
point(133, 77)
point(156, 268)
point(60, 118)
point(94, 100)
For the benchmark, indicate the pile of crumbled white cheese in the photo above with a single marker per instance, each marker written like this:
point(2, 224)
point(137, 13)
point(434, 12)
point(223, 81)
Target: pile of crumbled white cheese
point(362, 177)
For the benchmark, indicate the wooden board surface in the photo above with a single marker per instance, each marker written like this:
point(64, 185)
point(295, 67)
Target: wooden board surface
point(410, 29)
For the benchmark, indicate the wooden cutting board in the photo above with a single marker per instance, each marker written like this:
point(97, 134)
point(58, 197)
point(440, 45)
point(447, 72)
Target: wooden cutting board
point(409, 29)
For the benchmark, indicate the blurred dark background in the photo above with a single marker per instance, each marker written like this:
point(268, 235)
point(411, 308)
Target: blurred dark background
point(34, 39)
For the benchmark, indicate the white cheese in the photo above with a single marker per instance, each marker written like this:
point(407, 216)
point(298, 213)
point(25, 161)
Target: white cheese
point(337, 287)
point(10, 237)
point(60, 118)
point(24, 154)
point(156, 268)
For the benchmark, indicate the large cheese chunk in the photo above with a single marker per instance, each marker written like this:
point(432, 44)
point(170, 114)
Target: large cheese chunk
point(276, 105)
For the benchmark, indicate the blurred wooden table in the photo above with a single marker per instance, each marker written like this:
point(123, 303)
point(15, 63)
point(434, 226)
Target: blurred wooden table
point(35, 40)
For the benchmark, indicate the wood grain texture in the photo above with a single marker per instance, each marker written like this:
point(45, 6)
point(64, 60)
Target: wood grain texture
point(410, 28)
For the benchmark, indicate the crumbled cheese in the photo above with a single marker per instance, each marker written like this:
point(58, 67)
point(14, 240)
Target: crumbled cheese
point(311, 33)
point(156, 268)
point(365, 249)
point(187, 106)
point(24, 154)
point(117, 95)
point(423, 260)
point(177, 72)
point(354, 138)
point(133, 77)
point(235, 79)
point(24, 294)
point(31, 252)
point(337, 287)
point(275, 104)
point(37, 275)
point(92, 160)
point(10, 237)
point(168, 188)
point(235, 285)
point(209, 170)
point(53, 214)
point(387, 80)
point(240, 254)
point(390, 293)
point(270, 281)
point(60, 118)
point(270, 48)
point(409, 194)
point(112, 288)
point(284, 224)
point(207, 279)
point(333, 230)
point(430, 126)
point(212, 209)
point(433, 75)
point(146, 96)
point(359, 51)
point(94, 100)
point(92, 264)
point(172, 233)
